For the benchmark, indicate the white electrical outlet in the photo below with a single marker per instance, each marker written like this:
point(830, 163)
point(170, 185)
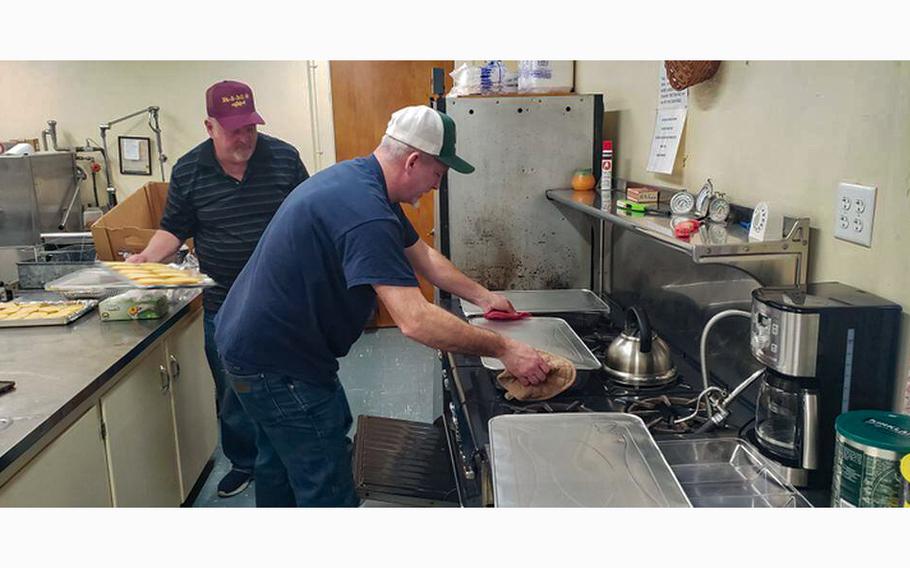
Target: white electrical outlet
point(854, 214)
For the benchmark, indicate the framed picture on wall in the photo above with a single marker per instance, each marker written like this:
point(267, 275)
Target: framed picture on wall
point(135, 155)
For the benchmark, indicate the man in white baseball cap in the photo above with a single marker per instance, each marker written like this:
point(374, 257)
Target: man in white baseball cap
point(428, 131)
point(339, 241)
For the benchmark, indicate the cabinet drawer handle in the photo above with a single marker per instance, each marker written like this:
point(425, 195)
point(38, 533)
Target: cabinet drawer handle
point(175, 367)
point(165, 379)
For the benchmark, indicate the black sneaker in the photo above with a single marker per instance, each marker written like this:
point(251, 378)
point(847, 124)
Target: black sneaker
point(233, 483)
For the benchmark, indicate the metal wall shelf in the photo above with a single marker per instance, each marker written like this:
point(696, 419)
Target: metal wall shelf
point(713, 243)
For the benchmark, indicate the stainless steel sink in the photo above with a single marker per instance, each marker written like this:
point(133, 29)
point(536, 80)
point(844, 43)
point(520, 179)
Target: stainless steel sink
point(727, 472)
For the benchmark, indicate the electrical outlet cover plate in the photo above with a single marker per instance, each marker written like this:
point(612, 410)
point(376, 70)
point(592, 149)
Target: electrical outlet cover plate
point(854, 213)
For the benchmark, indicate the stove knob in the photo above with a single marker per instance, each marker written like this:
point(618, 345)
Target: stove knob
point(465, 466)
point(439, 354)
point(454, 415)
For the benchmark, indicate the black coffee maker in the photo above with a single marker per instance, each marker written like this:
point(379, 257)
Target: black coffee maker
point(827, 349)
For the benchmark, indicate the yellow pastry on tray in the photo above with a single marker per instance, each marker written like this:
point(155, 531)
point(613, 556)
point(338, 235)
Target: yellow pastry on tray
point(39, 310)
point(155, 274)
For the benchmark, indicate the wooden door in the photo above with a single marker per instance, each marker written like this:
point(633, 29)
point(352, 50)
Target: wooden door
point(141, 443)
point(364, 96)
point(193, 399)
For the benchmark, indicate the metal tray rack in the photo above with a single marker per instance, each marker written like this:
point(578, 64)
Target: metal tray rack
point(87, 306)
point(727, 472)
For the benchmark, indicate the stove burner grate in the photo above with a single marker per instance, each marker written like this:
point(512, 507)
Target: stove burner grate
point(661, 412)
point(548, 407)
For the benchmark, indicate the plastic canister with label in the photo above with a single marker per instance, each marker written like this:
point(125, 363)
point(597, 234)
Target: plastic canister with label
point(869, 447)
point(905, 473)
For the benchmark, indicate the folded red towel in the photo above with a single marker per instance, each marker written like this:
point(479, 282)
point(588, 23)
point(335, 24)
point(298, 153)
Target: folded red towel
point(506, 316)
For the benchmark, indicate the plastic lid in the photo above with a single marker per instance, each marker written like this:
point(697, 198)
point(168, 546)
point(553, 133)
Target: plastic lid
point(876, 428)
point(608, 145)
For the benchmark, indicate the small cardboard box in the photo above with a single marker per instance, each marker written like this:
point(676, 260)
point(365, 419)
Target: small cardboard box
point(642, 195)
point(130, 225)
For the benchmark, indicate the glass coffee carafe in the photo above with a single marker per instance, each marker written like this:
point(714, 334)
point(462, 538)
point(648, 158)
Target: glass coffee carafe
point(781, 415)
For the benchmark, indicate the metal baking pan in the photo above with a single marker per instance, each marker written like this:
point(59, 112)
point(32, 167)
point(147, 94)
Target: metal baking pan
point(101, 281)
point(546, 302)
point(552, 335)
point(205, 282)
point(94, 282)
point(87, 306)
point(727, 472)
point(597, 459)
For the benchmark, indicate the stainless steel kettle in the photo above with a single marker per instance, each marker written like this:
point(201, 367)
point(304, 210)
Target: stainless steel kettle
point(638, 357)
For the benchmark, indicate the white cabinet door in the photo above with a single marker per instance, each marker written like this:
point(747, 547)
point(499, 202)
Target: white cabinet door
point(70, 472)
point(140, 442)
point(193, 393)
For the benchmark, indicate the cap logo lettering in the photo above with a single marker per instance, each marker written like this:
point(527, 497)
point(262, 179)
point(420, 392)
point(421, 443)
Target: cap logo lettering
point(237, 100)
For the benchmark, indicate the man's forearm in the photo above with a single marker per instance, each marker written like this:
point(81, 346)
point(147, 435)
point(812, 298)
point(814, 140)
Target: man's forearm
point(162, 245)
point(439, 329)
point(443, 274)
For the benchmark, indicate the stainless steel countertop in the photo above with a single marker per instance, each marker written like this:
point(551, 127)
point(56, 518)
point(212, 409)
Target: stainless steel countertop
point(58, 370)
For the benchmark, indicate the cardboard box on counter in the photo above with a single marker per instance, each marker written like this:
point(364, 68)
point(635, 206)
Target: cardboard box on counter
point(642, 195)
point(130, 225)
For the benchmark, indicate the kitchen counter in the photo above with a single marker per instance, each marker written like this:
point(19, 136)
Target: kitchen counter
point(61, 370)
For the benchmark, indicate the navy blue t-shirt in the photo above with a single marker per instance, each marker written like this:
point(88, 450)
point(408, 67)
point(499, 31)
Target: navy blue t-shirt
point(306, 293)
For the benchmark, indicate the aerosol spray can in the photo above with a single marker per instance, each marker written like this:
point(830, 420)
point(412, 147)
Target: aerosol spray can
point(606, 166)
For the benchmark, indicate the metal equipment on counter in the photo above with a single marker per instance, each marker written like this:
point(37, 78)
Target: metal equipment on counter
point(39, 192)
point(495, 224)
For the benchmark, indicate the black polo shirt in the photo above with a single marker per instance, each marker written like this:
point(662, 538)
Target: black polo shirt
point(226, 217)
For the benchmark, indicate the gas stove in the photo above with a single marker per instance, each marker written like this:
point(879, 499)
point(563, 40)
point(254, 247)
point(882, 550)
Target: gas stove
point(472, 397)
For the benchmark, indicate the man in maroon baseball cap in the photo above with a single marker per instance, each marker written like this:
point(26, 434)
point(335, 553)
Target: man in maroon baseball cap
point(223, 193)
point(231, 104)
point(231, 124)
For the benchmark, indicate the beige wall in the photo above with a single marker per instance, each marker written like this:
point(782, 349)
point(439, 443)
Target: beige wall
point(785, 132)
point(81, 95)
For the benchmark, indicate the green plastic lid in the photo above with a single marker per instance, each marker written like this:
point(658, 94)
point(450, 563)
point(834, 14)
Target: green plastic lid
point(876, 428)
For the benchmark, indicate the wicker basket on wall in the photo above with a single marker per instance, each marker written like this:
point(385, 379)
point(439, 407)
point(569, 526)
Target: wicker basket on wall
point(684, 74)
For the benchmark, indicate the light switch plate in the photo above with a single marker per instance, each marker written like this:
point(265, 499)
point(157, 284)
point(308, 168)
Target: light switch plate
point(854, 213)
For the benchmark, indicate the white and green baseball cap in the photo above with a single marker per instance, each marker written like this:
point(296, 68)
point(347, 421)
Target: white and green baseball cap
point(429, 131)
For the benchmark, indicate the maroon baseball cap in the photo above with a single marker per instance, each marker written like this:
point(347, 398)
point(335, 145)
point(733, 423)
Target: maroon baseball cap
point(231, 103)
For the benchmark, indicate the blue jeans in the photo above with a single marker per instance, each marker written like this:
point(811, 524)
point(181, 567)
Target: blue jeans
point(301, 431)
point(238, 433)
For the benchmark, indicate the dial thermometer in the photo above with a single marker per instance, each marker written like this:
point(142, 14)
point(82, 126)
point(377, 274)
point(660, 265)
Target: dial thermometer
point(719, 209)
point(682, 203)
